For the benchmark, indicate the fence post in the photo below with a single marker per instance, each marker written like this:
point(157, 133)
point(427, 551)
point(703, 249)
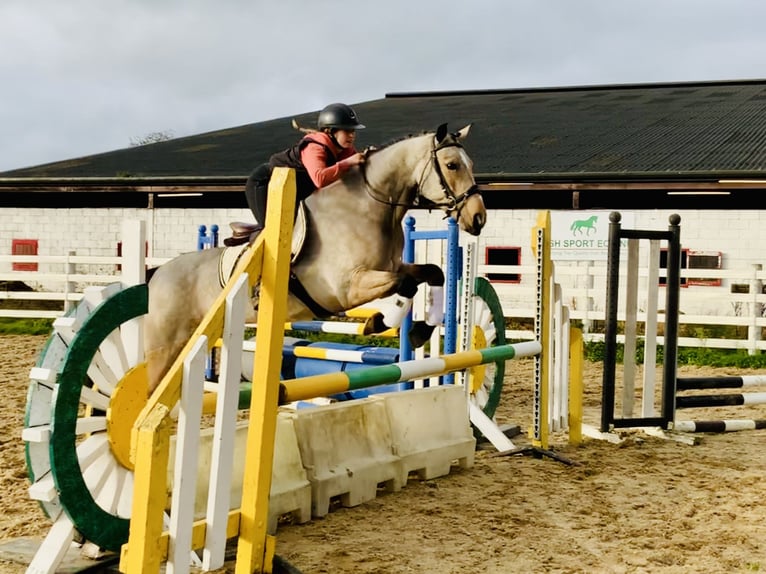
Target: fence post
point(69, 269)
point(756, 312)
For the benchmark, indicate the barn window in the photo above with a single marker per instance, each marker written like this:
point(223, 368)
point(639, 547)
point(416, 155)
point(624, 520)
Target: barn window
point(664, 265)
point(24, 247)
point(503, 256)
point(691, 259)
point(705, 260)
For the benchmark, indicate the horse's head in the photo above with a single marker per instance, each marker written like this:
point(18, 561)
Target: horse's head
point(447, 181)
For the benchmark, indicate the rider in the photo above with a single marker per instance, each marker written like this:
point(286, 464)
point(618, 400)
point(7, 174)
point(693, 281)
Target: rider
point(319, 158)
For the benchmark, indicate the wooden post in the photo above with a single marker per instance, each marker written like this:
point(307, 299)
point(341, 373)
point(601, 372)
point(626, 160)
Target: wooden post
point(255, 551)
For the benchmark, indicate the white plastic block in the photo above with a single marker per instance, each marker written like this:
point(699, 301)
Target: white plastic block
point(431, 430)
point(346, 450)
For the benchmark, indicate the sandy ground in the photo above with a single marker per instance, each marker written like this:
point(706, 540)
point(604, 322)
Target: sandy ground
point(647, 505)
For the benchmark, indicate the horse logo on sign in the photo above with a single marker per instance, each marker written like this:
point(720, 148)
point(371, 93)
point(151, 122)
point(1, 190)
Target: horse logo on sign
point(588, 225)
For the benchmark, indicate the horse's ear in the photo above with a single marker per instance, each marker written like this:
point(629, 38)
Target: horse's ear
point(462, 134)
point(441, 133)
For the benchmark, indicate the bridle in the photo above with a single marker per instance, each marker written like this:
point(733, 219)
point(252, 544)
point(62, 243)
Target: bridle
point(452, 202)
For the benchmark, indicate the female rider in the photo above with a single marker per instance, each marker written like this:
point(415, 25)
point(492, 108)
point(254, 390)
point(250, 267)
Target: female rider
point(319, 158)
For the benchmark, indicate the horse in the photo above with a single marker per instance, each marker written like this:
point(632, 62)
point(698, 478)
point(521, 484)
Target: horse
point(352, 251)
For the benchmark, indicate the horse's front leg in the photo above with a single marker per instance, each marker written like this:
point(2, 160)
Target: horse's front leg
point(433, 276)
point(367, 285)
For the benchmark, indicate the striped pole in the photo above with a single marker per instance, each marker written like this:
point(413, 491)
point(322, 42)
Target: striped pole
point(698, 401)
point(725, 425)
point(338, 327)
point(340, 352)
point(333, 383)
point(689, 383)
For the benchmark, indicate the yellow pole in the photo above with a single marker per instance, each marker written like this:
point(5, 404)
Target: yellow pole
point(575, 385)
point(541, 235)
point(143, 553)
point(255, 551)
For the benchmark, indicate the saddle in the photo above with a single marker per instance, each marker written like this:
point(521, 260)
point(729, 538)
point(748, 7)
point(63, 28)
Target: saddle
point(244, 233)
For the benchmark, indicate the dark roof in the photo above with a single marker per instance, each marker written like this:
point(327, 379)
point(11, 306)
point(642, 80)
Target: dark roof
point(615, 132)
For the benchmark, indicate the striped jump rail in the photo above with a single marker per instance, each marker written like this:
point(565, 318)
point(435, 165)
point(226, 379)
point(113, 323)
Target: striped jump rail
point(693, 383)
point(306, 350)
point(719, 400)
point(337, 327)
point(333, 383)
point(724, 425)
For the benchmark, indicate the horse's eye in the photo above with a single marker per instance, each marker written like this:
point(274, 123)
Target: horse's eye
point(452, 166)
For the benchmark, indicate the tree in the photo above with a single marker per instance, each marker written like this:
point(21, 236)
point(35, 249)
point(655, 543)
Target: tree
point(152, 137)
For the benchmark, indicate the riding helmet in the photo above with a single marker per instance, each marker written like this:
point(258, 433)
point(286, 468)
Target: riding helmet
point(338, 116)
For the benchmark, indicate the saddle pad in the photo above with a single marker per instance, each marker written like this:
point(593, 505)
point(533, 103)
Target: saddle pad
point(228, 260)
point(230, 255)
point(299, 233)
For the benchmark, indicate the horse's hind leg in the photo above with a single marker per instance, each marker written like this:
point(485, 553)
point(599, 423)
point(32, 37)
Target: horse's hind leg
point(157, 364)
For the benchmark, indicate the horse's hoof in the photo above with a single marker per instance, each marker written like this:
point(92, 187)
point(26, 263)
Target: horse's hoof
point(374, 324)
point(420, 333)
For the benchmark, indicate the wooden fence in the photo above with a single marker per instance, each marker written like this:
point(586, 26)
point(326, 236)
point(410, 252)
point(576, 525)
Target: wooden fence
point(738, 302)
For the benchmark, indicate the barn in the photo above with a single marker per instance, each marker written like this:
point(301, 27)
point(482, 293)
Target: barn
point(647, 150)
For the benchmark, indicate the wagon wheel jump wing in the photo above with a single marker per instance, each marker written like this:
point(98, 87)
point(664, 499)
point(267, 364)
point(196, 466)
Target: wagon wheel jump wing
point(487, 330)
point(85, 392)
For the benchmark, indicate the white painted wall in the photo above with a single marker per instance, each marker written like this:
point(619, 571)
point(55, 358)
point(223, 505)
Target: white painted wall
point(739, 235)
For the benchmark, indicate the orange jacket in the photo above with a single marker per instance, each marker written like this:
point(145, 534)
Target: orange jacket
point(324, 170)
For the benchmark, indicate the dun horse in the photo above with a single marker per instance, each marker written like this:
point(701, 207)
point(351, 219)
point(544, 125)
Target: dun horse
point(352, 252)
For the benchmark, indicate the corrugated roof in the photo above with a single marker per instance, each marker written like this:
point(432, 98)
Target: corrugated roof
point(613, 131)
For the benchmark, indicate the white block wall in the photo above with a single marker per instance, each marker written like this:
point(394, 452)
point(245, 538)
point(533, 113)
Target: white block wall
point(739, 235)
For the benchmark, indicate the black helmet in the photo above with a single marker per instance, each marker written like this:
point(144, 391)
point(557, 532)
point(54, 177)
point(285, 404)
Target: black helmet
point(339, 116)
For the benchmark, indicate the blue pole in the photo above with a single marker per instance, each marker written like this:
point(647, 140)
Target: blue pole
point(452, 277)
point(201, 237)
point(204, 242)
point(408, 256)
point(450, 311)
point(214, 235)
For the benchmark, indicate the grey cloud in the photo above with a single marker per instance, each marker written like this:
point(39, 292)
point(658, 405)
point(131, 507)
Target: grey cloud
point(85, 77)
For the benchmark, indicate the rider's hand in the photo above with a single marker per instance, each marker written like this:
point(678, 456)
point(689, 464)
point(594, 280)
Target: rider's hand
point(356, 159)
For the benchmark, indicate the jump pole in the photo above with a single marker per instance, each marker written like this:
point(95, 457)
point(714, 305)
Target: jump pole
point(332, 383)
point(719, 400)
point(558, 373)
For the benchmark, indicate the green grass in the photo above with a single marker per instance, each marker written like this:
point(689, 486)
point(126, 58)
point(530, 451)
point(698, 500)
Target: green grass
point(12, 326)
point(700, 356)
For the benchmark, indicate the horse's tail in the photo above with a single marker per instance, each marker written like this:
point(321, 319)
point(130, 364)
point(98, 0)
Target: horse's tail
point(572, 227)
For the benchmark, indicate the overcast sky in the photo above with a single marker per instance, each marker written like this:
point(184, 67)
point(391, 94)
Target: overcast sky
point(80, 77)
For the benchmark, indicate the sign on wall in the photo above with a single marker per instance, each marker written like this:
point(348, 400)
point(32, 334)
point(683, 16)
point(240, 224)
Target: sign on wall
point(583, 235)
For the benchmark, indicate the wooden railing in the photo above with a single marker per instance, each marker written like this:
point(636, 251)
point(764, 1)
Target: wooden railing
point(62, 279)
